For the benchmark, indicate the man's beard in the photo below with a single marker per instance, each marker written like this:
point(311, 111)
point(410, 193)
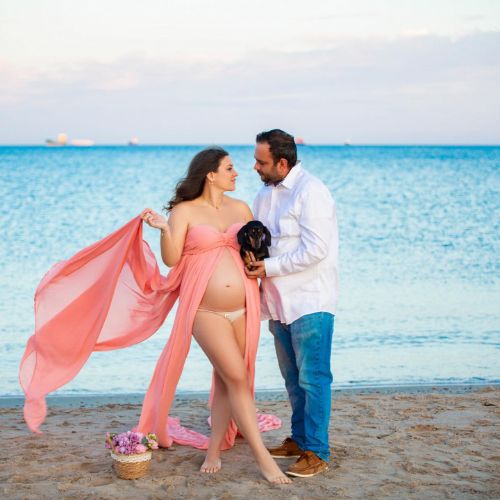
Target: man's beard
point(270, 181)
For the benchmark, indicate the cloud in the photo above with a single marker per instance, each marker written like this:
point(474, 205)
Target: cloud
point(423, 88)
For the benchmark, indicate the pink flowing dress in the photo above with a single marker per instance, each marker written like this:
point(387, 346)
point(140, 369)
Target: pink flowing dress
point(111, 295)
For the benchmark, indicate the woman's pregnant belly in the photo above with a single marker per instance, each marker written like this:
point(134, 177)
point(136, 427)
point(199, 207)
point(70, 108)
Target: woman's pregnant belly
point(226, 288)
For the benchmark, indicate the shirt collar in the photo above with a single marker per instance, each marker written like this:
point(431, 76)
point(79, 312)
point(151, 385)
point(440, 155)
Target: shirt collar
point(291, 178)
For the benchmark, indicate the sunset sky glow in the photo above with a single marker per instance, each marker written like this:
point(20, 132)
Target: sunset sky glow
point(376, 72)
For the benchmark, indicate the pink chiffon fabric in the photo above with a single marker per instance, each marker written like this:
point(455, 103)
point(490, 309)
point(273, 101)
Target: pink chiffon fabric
point(111, 295)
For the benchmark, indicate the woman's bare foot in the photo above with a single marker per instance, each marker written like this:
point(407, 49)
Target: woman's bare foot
point(272, 472)
point(282, 479)
point(211, 465)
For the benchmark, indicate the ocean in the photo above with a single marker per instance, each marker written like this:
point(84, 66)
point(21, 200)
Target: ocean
point(419, 256)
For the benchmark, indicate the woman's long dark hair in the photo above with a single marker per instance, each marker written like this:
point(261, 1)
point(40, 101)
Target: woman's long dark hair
point(192, 185)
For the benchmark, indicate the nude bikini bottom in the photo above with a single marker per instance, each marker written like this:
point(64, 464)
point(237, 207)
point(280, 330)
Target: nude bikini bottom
point(232, 316)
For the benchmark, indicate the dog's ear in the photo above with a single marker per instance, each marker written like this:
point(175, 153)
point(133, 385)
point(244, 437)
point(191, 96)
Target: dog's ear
point(268, 236)
point(242, 235)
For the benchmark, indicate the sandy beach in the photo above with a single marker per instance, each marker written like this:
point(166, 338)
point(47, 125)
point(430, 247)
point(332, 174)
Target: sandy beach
point(392, 443)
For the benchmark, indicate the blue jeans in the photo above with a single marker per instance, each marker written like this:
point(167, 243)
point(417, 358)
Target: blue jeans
point(303, 349)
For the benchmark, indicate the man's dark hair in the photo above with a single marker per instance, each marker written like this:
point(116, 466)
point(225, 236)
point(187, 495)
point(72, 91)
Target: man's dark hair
point(281, 145)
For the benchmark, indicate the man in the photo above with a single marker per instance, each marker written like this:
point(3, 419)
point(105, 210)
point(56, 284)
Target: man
point(299, 291)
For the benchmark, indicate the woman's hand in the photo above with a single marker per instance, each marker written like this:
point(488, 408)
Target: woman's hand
point(150, 217)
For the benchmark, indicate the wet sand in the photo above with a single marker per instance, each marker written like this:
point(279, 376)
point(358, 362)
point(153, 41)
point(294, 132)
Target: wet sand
point(393, 443)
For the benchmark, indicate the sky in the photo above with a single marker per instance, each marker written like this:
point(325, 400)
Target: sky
point(219, 71)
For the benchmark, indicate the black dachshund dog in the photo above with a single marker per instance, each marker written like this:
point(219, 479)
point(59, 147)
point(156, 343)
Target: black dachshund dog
point(254, 237)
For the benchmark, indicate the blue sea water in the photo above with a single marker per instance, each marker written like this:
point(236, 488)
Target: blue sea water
point(419, 232)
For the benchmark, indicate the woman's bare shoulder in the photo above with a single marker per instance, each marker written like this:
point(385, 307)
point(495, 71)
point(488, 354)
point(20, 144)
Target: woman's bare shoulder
point(181, 211)
point(241, 206)
point(235, 201)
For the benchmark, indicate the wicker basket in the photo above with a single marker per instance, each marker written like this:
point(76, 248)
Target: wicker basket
point(131, 466)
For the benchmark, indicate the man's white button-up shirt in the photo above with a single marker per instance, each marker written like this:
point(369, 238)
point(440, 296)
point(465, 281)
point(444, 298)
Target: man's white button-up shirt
point(302, 274)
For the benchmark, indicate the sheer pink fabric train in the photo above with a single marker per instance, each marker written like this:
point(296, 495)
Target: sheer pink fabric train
point(111, 295)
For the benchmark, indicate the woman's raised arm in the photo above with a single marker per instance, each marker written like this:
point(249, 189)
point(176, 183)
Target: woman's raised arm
point(172, 232)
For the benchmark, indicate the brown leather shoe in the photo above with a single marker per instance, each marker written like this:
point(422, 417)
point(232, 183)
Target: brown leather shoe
point(287, 449)
point(308, 465)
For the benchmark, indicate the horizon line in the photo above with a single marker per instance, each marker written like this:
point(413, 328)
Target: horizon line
point(196, 144)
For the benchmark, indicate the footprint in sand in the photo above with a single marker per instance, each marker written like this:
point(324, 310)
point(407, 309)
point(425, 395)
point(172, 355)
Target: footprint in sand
point(488, 403)
point(483, 422)
point(102, 481)
point(39, 446)
point(174, 481)
point(19, 479)
point(423, 428)
point(93, 467)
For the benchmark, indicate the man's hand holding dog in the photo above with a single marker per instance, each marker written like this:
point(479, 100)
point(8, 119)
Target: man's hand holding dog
point(257, 269)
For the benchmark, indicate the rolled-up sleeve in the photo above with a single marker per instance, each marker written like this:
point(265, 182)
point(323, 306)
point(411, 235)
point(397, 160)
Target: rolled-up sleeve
point(317, 213)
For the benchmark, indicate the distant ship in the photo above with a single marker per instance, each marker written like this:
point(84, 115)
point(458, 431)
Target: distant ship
point(62, 140)
point(347, 142)
point(134, 141)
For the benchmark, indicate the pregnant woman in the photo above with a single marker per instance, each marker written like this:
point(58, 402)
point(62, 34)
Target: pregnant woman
point(112, 295)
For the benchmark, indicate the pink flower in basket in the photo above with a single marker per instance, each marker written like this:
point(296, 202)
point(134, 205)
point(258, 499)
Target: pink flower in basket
point(130, 442)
